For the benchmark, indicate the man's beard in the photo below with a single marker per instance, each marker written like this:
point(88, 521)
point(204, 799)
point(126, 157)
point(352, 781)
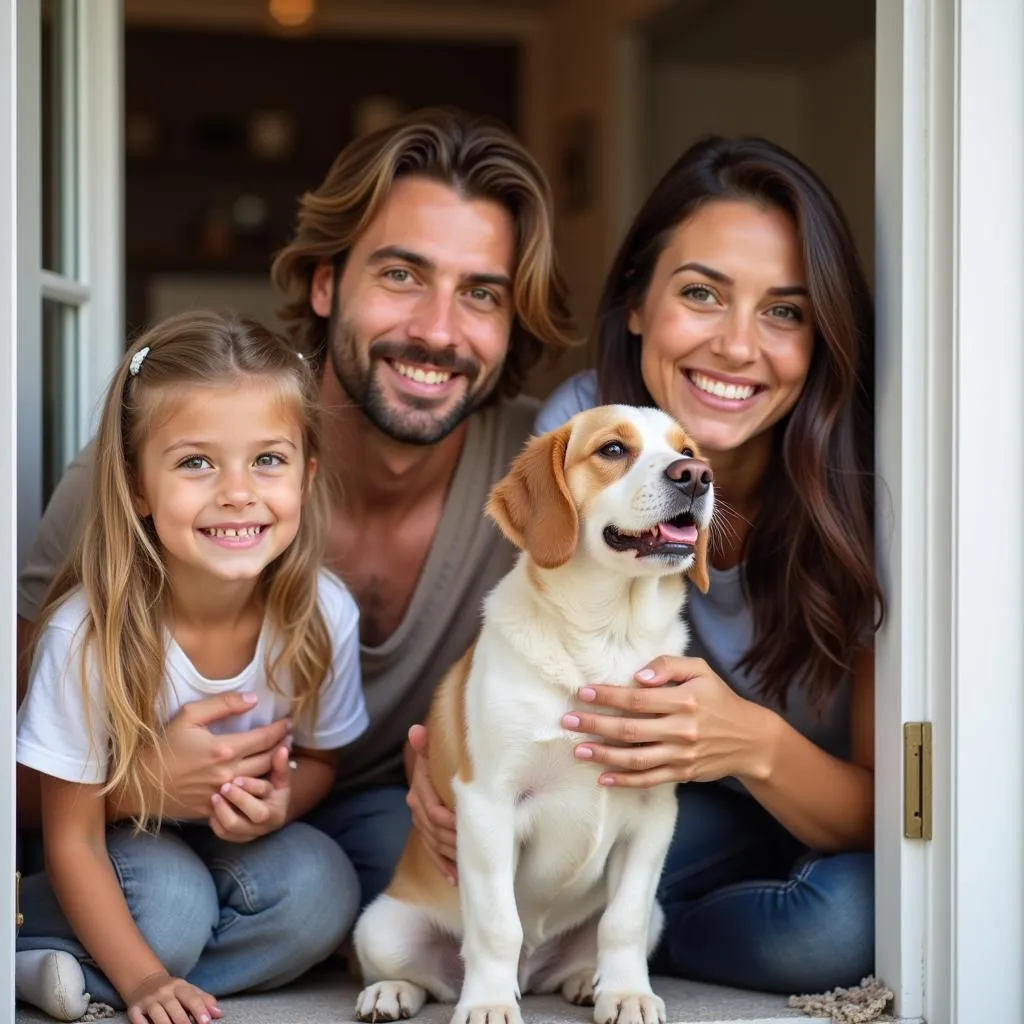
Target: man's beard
point(418, 420)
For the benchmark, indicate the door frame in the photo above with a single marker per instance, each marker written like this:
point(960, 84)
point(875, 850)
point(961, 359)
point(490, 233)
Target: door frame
point(11, 226)
point(950, 250)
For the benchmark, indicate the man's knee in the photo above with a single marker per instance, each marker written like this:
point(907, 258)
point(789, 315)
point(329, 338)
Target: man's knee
point(169, 892)
point(372, 827)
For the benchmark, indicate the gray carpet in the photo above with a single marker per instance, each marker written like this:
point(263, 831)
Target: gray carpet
point(325, 999)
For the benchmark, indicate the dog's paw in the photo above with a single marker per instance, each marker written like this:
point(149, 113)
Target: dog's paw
point(629, 1008)
point(389, 1000)
point(578, 988)
point(495, 1013)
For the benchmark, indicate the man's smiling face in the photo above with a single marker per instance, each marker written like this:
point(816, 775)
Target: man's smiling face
point(424, 309)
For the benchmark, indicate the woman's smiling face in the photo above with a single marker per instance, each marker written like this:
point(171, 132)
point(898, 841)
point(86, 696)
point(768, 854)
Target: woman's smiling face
point(726, 324)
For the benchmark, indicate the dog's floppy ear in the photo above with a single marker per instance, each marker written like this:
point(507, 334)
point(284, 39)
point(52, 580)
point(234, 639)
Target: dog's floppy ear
point(531, 504)
point(699, 570)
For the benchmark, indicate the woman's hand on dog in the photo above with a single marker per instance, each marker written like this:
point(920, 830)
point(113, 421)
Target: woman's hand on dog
point(681, 724)
point(435, 821)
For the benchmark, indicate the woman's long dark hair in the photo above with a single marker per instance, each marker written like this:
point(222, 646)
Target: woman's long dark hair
point(808, 559)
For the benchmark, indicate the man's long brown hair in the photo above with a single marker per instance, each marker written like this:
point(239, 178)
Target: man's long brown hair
point(808, 560)
point(476, 158)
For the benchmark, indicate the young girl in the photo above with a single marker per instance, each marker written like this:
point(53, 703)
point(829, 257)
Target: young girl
point(737, 304)
point(198, 572)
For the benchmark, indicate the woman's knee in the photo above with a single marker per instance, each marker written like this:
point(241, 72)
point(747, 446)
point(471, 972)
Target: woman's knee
point(831, 925)
point(169, 892)
point(809, 933)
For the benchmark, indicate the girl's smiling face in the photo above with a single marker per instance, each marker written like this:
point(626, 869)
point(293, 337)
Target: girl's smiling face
point(726, 324)
point(223, 475)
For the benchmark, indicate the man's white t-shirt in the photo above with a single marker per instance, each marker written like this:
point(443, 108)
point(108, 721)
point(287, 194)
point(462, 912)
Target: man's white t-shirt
point(58, 738)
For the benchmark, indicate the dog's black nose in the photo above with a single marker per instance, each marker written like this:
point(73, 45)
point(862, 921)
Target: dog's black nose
point(692, 476)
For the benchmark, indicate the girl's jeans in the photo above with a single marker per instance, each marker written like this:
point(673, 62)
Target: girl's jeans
point(747, 905)
point(228, 917)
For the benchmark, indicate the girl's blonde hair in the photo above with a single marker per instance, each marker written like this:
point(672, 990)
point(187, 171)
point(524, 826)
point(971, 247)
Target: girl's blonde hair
point(117, 560)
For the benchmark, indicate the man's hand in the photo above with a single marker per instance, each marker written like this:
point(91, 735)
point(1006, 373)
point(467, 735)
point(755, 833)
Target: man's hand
point(436, 823)
point(197, 762)
point(248, 808)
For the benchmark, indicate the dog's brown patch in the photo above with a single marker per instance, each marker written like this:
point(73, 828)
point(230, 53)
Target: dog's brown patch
point(447, 718)
point(587, 470)
point(532, 504)
point(416, 878)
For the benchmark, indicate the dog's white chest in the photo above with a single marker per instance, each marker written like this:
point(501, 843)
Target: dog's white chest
point(566, 827)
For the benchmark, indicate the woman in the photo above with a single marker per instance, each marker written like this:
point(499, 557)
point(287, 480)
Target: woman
point(737, 303)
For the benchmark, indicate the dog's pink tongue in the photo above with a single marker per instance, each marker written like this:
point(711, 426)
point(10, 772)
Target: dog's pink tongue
point(678, 534)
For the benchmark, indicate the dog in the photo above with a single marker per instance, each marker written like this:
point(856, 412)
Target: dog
point(557, 874)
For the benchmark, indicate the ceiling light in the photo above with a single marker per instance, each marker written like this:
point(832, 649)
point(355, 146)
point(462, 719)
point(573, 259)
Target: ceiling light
point(291, 13)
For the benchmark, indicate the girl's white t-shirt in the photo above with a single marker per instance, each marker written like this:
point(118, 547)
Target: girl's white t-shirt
point(57, 737)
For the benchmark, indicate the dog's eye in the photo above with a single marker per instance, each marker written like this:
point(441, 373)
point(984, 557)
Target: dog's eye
point(687, 453)
point(612, 450)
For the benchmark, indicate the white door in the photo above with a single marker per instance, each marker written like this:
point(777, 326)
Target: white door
point(950, 289)
point(61, 282)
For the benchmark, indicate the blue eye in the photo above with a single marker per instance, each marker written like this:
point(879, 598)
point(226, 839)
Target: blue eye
point(194, 462)
point(268, 460)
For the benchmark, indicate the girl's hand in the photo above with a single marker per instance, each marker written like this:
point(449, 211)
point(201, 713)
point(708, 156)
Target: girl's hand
point(195, 762)
point(697, 731)
point(160, 999)
point(248, 808)
point(435, 821)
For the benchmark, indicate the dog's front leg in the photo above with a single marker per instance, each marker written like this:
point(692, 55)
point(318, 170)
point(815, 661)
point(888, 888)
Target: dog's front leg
point(492, 934)
point(622, 993)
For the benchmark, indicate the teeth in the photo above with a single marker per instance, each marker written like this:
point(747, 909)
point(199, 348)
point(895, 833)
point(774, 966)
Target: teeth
point(652, 532)
point(245, 531)
point(422, 376)
point(737, 392)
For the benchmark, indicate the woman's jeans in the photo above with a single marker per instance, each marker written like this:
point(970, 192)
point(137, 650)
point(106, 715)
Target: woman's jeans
point(747, 905)
point(228, 917)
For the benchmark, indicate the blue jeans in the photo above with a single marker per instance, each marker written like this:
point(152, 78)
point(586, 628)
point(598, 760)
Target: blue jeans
point(228, 917)
point(749, 906)
point(371, 826)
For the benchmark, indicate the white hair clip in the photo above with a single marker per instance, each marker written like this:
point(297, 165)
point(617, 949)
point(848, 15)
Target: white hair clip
point(301, 356)
point(136, 364)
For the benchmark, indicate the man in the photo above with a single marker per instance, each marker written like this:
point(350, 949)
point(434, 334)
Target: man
point(423, 283)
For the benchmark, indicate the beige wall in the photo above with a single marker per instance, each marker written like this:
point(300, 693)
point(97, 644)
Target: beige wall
point(840, 116)
point(824, 112)
point(684, 101)
point(591, 57)
point(584, 54)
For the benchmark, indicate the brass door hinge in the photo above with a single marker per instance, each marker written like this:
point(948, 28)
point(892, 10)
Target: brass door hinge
point(18, 919)
point(917, 780)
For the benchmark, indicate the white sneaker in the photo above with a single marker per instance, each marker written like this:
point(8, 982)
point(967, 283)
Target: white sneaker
point(52, 981)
